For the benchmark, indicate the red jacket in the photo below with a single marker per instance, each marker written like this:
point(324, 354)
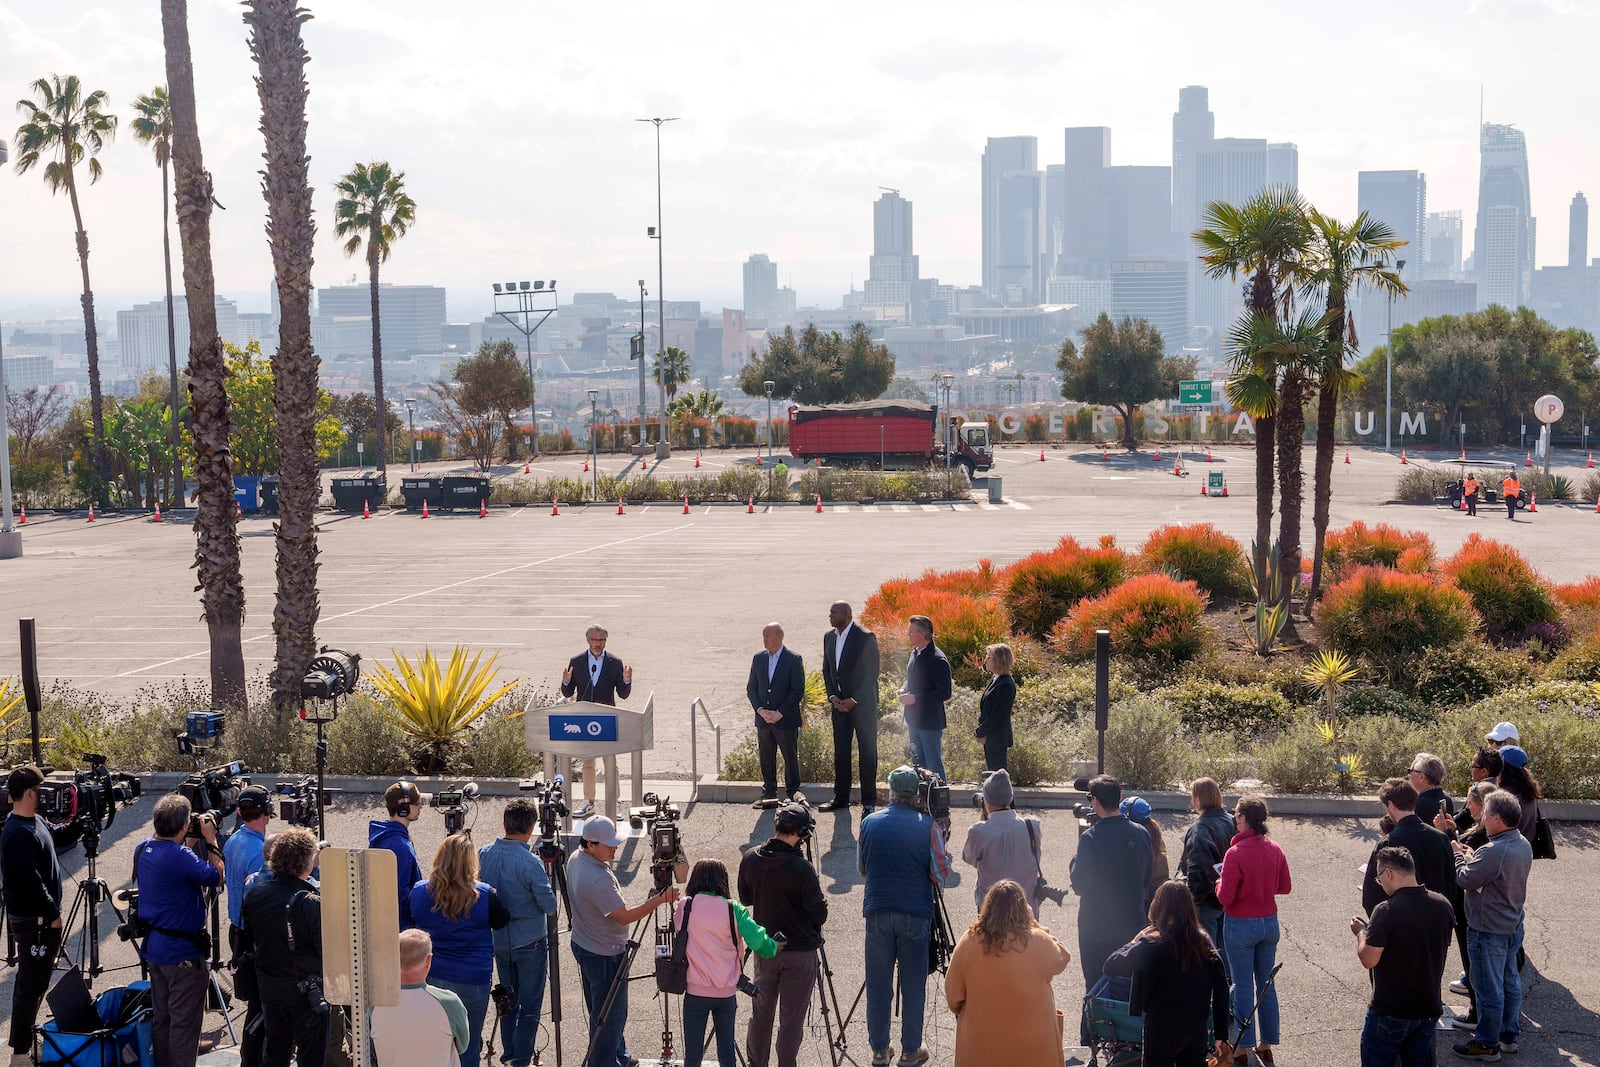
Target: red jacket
point(1254, 873)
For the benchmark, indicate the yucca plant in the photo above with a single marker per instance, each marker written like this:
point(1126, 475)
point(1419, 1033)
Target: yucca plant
point(1272, 610)
point(1349, 767)
point(1327, 673)
point(8, 704)
point(436, 705)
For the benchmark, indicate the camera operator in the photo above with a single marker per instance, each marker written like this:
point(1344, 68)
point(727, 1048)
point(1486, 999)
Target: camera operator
point(901, 854)
point(242, 858)
point(405, 804)
point(172, 881)
point(1111, 875)
point(600, 921)
point(1003, 845)
point(782, 890)
point(521, 951)
point(281, 925)
point(32, 880)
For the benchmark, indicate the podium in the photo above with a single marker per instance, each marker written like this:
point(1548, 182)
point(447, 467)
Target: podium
point(581, 729)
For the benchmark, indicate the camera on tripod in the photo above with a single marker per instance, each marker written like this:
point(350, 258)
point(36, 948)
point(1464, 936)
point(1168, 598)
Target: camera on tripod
point(297, 802)
point(452, 804)
point(933, 798)
point(131, 928)
point(81, 803)
point(215, 792)
point(796, 818)
point(552, 804)
point(201, 730)
point(660, 818)
point(1085, 813)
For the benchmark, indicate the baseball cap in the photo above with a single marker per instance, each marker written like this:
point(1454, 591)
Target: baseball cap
point(1503, 731)
point(601, 831)
point(1135, 808)
point(903, 781)
point(1514, 756)
point(22, 779)
point(997, 789)
point(257, 797)
point(403, 792)
point(793, 817)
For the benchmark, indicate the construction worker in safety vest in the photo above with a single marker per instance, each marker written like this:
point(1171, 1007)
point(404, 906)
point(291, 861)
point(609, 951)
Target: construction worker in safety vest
point(1511, 489)
point(1469, 494)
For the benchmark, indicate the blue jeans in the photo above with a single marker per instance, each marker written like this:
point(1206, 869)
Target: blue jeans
point(1496, 984)
point(927, 750)
point(1211, 923)
point(1252, 947)
point(721, 1010)
point(476, 999)
point(597, 971)
point(524, 971)
point(1385, 1038)
point(896, 938)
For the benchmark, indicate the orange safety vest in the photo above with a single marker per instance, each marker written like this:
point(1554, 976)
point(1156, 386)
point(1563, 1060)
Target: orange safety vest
point(1471, 487)
point(1510, 487)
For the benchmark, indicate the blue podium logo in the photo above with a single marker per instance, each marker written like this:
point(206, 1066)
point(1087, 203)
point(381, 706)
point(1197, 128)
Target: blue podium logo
point(583, 727)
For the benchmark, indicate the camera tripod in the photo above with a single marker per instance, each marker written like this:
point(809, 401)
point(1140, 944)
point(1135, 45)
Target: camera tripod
point(217, 999)
point(838, 1046)
point(91, 893)
point(554, 857)
point(629, 952)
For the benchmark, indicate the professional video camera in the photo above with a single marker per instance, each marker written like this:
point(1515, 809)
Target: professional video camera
point(297, 803)
point(933, 798)
point(215, 792)
point(80, 803)
point(131, 928)
point(452, 804)
point(660, 817)
point(1084, 812)
point(200, 732)
point(333, 673)
point(552, 804)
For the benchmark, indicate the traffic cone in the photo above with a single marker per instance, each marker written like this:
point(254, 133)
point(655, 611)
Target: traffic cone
point(819, 503)
point(555, 505)
point(1347, 455)
point(1591, 459)
point(157, 516)
point(1597, 505)
point(527, 468)
point(620, 509)
point(686, 505)
point(758, 459)
point(1528, 460)
point(91, 513)
point(697, 459)
point(425, 507)
point(24, 520)
point(1208, 453)
point(1533, 503)
point(1158, 455)
point(1203, 490)
point(238, 510)
point(750, 505)
point(1403, 456)
point(483, 508)
point(366, 511)
point(1224, 486)
point(1463, 457)
point(1041, 455)
point(1105, 457)
point(586, 466)
point(1177, 468)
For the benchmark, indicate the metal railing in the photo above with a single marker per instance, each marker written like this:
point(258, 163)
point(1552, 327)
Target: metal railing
point(694, 743)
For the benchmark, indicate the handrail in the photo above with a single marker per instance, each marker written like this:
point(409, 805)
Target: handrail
point(694, 745)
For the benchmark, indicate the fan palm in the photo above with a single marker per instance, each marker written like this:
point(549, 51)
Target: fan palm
point(373, 209)
point(65, 127)
point(700, 404)
point(671, 369)
point(1343, 259)
point(152, 125)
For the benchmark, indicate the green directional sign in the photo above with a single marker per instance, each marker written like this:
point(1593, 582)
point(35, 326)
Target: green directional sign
point(1194, 392)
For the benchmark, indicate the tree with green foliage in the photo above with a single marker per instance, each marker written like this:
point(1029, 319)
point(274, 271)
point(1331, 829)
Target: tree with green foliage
point(903, 388)
point(820, 368)
point(670, 369)
point(1123, 365)
point(700, 404)
point(495, 381)
point(252, 393)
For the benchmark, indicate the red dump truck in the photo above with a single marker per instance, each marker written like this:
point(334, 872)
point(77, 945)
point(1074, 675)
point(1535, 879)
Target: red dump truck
point(890, 433)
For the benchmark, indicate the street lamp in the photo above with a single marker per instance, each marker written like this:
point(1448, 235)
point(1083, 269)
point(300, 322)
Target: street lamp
point(768, 386)
point(662, 450)
point(636, 351)
point(411, 428)
point(944, 382)
point(527, 299)
point(1388, 365)
point(594, 439)
point(10, 539)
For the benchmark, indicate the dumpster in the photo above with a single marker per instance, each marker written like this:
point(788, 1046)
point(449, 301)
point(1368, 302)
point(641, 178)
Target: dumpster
point(995, 495)
point(247, 491)
point(414, 491)
point(465, 490)
point(269, 494)
point(369, 489)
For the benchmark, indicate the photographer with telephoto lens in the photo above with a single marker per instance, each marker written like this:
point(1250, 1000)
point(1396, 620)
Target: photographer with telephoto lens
point(1004, 845)
point(242, 858)
point(32, 880)
point(281, 931)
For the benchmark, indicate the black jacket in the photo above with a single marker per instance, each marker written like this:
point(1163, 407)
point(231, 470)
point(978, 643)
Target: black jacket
point(270, 908)
point(783, 693)
point(1111, 875)
point(29, 870)
point(994, 710)
point(1178, 1006)
point(610, 687)
point(1204, 845)
point(856, 677)
point(928, 678)
point(1436, 862)
point(782, 890)
point(1433, 800)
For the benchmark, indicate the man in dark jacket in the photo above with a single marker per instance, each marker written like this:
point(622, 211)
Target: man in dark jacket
point(281, 926)
point(32, 880)
point(776, 688)
point(405, 803)
point(1204, 845)
point(926, 689)
point(1111, 875)
point(1436, 866)
point(599, 677)
point(850, 668)
point(784, 894)
point(1427, 777)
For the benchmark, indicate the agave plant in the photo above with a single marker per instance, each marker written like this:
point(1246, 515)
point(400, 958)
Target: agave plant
point(1272, 609)
point(435, 705)
point(1327, 673)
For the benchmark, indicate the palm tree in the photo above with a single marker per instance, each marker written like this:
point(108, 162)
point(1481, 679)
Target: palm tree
point(216, 550)
point(671, 369)
point(64, 125)
point(1263, 239)
point(152, 125)
point(1344, 258)
point(701, 404)
point(373, 208)
point(280, 55)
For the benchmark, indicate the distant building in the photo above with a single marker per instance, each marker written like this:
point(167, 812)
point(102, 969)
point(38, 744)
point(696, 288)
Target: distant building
point(1155, 289)
point(892, 270)
point(1503, 243)
point(1090, 296)
point(1086, 227)
point(142, 333)
point(1137, 216)
point(760, 287)
point(1230, 170)
point(1283, 165)
point(1193, 128)
point(1012, 204)
point(1444, 230)
point(29, 372)
point(1055, 219)
point(412, 316)
point(1400, 199)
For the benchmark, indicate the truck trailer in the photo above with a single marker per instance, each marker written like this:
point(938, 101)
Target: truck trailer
point(886, 434)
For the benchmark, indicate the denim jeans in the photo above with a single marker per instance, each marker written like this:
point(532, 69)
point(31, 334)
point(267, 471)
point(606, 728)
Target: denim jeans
point(721, 1010)
point(597, 971)
point(927, 749)
point(896, 938)
point(1252, 947)
point(524, 971)
point(1385, 1039)
point(476, 999)
point(1211, 923)
point(1497, 985)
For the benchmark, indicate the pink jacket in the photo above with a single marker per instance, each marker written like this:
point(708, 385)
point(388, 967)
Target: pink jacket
point(1254, 873)
point(716, 954)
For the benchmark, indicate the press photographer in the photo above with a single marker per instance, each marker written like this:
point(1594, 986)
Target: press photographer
point(172, 882)
point(242, 857)
point(521, 948)
point(405, 803)
point(1005, 845)
point(32, 881)
point(280, 937)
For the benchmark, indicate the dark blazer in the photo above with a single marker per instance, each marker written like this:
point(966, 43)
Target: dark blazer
point(928, 679)
point(783, 693)
point(994, 709)
point(856, 677)
point(1436, 863)
point(611, 685)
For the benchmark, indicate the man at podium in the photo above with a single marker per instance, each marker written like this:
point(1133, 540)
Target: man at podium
point(597, 676)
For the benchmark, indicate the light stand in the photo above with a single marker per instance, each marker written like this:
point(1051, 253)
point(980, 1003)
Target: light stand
point(594, 441)
point(527, 299)
point(662, 449)
point(636, 351)
point(411, 429)
point(321, 723)
point(1388, 365)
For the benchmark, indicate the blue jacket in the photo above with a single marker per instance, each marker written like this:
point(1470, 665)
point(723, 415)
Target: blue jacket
point(901, 853)
point(518, 878)
point(171, 882)
point(396, 837)
point(241, 857)
point(463, 949)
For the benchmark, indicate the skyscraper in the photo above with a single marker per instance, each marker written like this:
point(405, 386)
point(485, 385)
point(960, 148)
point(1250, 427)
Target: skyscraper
point(760, 288)
point(1503, 242)
point(1055, 218)
point(1087, 155)
point(1578, 232)
point(892, 271)
point(1400, 199)
point(1444, 245)
point(1193, 127)
point(1155, 289)
point(1231, 170)
point(1283, 164)
point(1005, 226)
point(1137, 219)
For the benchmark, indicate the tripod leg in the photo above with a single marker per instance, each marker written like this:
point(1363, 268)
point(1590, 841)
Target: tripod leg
point(216, 991)
point(598, 1020)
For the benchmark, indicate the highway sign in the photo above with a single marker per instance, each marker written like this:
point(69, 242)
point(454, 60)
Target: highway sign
point(1194, 392)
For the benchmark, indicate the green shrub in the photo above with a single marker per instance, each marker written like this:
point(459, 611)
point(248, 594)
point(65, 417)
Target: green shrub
point(1145, 748)
point(1419, 484)
point(1241, 711)
point(1199, 553)
point(1040, 589)
point(1066, 695)
point(364, 739)
point(1217, 755)
point(1150, 617)
point(495, 748)
point(1383, 746)
point(1590, 489)
point(1581, 603)
point(1390, 619)
point(843, 484)
point(1357, 701)
point(1298, 761)
point(1579, 662)
point(1452, 675)
point(1514, 602)
point(1382, 545)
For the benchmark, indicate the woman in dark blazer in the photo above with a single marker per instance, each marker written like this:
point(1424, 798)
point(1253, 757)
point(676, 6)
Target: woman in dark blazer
point(994, 707)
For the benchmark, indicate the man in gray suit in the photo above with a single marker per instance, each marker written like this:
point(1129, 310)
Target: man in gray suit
point(850, 675)
point(776, 688)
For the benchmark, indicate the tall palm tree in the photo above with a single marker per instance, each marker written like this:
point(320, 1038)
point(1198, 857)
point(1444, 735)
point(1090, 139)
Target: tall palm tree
point(64, 126)
point(216, 550)
point(152, 125)
point(1264, 239)
point(280, 55)
point(373, 208)
point(1344, 258)
point(671, 369)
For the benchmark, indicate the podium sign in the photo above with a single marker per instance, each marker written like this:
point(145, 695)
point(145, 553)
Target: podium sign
point(589, 727)
point(581, 729)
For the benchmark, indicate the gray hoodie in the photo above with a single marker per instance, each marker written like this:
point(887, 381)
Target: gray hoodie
point(1495, 881)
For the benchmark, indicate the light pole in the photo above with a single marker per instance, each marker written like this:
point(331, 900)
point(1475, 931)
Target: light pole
point(1388, 366)
point(527, 299)
point(594, 440)
point(661, 300)
point(636, 351)
point(768, 385)
point(10, 539)
point(411, 429)
point(944, 382)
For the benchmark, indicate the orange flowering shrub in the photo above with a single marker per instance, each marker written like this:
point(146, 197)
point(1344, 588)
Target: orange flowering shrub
point(1360, 545)
point(1040, 589)
point(1390, 618)
point(1199, 553)
point(1150, 616)
point(1516, 604)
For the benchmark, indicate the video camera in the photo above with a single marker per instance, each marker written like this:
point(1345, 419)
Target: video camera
point(297, 802)
point(798, 822)
point(933, 798)
point(552, 803)
point(80, 803)
point(201, 730)
point(333, 673)
point(213, 792)
point(452, 804)
point(660, 817)
point(1085, 812)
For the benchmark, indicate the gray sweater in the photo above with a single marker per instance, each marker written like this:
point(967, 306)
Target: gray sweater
point(1496, 882)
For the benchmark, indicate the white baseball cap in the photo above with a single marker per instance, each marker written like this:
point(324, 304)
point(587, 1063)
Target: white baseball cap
point(1503, 731)
point(601, 831)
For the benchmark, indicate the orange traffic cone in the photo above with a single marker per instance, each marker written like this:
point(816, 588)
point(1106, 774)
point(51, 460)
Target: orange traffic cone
point(697, 458)
point(1528, 460)
point(1347, 455)
point(425, 507)
point(555, 505)
point(1463, 457)
point(1203, 490)
point(819, 503)
point(686, 505)
point(1403, 456)
point(1597, 505)
point(366, 511)
point(1041, 455)
point(24, 520)
point(758, 459)
point(483, 508)
point(1224, 486)
point(238, 510)
point(157, 516)
point(1105, 457)
point(644, 464)
point(527, 468)
point(1533, 503)
point(620, 510)
point(91, 513)
point(750, 505)
point(1591, 459)
point(1158, 455)
point(1208, 453)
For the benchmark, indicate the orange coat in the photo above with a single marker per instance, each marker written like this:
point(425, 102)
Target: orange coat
point(1005, 1010)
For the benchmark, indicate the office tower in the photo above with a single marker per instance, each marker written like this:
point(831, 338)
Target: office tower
point(1283, 165)
point(1137, 215)
point(1230, 170)
point(1156, 289)
point(1055, 217)
point(412, 316)
point(1400, 199)
point(142, 332)
point(1003, 156)
point(1444, 244)
point(1018, 254)
point(1193, 127)
point(1578, 232)
point(892, 270)
point(1088, 154)
point(1503, 242)
point(760, 288)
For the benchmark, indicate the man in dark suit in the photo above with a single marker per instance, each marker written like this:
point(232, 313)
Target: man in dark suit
point(850, 674)
point(926, 689)
point(599, 677)
point(776, 687)
point(1436, 867)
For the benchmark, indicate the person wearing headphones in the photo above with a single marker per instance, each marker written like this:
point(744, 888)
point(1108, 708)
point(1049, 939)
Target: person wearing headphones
point(404, 802)
point(241, 858)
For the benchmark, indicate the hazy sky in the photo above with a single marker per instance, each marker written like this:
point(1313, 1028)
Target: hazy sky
point(514, 124)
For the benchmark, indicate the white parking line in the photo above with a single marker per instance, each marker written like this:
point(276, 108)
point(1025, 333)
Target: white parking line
point(1019, 505)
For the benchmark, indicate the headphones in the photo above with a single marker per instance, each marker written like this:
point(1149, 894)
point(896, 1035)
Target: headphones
point(403, 810)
